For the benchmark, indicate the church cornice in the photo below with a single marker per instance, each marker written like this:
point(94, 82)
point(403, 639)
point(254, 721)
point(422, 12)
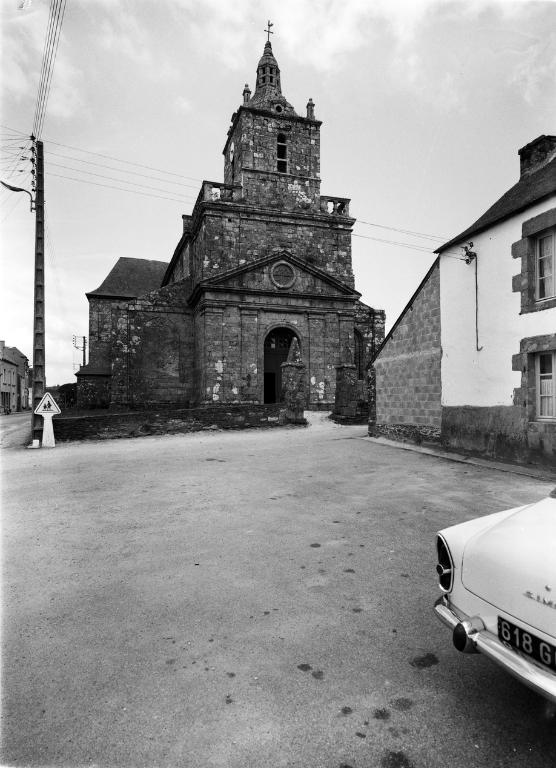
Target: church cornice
point(316, 303)
point(223, 208)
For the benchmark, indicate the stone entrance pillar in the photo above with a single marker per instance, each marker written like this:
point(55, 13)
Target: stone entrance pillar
point(351, 399)
point(294, 383)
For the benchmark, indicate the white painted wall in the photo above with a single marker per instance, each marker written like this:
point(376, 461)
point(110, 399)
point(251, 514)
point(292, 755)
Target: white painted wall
point(485, 378)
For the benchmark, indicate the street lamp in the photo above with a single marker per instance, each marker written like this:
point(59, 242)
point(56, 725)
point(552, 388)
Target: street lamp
point(19, 189)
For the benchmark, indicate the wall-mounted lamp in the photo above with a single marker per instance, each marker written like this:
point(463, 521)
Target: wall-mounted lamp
point(469, 254)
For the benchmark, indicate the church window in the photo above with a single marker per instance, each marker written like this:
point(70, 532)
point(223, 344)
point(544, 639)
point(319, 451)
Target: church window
point(282, 274)
point(282, 154)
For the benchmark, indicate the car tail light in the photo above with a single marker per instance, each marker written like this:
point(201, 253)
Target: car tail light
point(445, 567)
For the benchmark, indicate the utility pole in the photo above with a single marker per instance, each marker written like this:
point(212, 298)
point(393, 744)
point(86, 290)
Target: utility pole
point(39, 359)
point(84, 347)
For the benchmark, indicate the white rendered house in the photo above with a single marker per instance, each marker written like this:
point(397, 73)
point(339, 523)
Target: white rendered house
point(492, 353)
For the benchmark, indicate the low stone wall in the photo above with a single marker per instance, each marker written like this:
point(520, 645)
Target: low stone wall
point(107, 424)
point(405, 433)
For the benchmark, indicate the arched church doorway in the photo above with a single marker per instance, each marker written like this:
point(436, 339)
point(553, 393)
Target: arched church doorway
point(276, 348)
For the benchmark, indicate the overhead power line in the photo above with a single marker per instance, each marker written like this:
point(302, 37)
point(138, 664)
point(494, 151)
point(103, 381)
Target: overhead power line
point(111, 178)
point(13, 130)
point(15, 160)
point(114, 168)
point(413, 247)
point(404, 231)
point(394, 242)
point(52, 40)
point(122, 189)
point(126, 162)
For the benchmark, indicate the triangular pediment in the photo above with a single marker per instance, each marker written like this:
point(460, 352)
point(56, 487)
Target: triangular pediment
point(280, 272)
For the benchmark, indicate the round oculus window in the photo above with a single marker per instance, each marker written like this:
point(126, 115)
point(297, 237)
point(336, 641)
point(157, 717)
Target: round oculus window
point(282, 274)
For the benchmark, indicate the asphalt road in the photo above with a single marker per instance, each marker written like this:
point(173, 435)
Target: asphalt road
point(247, 599)
point(15, 429)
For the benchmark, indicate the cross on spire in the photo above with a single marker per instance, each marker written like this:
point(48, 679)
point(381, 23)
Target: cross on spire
point(269, 31)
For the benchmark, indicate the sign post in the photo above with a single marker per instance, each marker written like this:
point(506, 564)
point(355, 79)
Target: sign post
point(47, 408)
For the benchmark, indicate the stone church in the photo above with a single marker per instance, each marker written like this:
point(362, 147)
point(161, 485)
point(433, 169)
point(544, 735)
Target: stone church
point(263, 259)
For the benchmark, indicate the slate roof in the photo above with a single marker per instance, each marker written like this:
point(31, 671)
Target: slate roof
point(132, 277)
point(530, 189)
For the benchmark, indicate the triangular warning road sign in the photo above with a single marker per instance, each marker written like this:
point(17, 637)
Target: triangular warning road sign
point(47, 405)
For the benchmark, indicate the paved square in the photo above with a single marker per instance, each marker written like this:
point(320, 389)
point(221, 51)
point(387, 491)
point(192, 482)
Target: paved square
point(256, 598)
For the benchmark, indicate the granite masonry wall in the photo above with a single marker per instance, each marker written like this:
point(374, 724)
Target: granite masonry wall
point(231, 350)
point(152, 346)
point(100, 327)
point(255, 137)
point(408, 378)
point(231, 236)
point(109, 425)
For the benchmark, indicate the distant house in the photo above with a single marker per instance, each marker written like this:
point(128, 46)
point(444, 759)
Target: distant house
point(14, 379)
point(472, 358)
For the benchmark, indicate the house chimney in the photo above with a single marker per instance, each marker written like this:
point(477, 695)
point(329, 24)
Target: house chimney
point(536, 154)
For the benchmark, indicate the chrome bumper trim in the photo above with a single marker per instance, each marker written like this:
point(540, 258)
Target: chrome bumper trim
point(540, 680)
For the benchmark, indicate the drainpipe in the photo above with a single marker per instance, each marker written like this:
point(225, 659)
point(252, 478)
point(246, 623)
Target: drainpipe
point(471, 256)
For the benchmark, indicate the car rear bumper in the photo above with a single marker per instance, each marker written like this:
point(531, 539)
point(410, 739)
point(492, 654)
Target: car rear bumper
point(541, 680)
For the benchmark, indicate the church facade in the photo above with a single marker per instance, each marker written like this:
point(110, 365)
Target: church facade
point(263, 258)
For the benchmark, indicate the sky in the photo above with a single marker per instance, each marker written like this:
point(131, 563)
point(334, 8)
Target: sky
point(424, 107)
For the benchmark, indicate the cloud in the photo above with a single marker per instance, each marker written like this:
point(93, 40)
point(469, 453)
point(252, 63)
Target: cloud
point(23, 39)
point(130, 37)
point(317, 33)
point(182, 105)
point(488, 42)
point(22, 44)
point(534, 74)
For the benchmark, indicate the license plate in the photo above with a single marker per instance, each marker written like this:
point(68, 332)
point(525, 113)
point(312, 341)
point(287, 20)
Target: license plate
point(528, 644)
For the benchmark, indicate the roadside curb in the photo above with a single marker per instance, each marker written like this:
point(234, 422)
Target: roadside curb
point(540, 473)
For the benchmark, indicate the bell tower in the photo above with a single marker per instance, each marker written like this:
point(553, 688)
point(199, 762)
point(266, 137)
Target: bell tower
point(272, 152)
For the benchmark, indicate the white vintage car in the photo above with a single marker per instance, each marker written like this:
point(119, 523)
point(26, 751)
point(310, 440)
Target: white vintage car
point(498, 578)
